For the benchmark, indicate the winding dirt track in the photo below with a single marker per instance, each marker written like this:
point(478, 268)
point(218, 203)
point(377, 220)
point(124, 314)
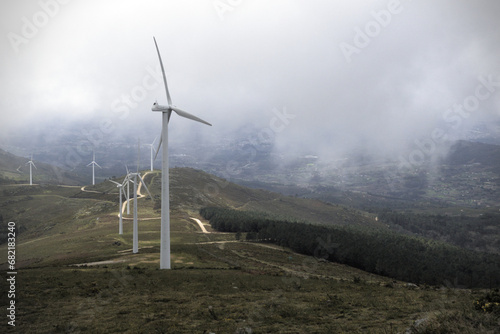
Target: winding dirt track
point(90, 191)
point(139, 195)
point(203, 229)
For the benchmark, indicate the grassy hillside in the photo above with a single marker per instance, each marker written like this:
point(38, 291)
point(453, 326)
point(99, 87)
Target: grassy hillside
point(54, 212)
point(13, 170)
point(76, 274)
point(195, 189)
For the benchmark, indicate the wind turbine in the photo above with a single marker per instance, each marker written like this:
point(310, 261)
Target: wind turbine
point(93, 164)
point(165, 203)
point(32, 164)
point(120, 186)
point(135, 236)
point(127, 182)
point(152, 152)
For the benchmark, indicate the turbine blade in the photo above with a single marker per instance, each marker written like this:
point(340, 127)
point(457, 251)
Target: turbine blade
point(163, 71)
point(128, 179)
point(138, 153)
point(118, 184)
point(33, 164)
point(185, 114)
point(145, 186)
point(158, 148)
point(97, 165)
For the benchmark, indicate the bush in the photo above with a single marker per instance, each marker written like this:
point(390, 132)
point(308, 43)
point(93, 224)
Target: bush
point(489, 303)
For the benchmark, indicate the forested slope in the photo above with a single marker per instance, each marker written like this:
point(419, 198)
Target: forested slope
point(398, 256)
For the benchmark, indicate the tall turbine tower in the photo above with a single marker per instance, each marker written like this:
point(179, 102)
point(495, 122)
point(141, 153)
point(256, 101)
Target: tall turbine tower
point(165, 203)
point(93, 164)
point(32, 164)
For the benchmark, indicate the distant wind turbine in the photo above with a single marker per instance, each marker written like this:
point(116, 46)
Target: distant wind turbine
point(93, 164)
point(135, 237)
point(120, 187)
point(32, 164)
point(165, 204)
point(127, 181)
point(152, 152)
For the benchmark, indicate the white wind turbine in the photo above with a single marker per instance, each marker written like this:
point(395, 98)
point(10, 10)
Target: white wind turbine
point(165, 204)
point(93, 164)
point(152, 152)
point(127, 181)
point(32, 164)
point(135, 236)
point(120, 187)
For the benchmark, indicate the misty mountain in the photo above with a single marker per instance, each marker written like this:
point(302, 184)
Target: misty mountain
point(467, 174)
point(483, 155)
point(465, 171)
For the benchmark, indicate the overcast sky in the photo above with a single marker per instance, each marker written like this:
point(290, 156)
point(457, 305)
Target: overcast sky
point(322, 76)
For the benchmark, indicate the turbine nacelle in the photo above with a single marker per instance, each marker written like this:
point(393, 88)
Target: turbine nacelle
point(159, 107)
